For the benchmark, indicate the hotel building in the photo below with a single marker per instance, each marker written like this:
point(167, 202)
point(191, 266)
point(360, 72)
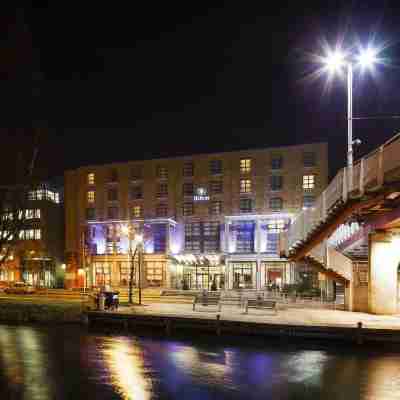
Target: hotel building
point(208, 221)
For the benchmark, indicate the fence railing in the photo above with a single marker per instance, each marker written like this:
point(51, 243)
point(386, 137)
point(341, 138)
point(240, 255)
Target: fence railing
point(367, 174)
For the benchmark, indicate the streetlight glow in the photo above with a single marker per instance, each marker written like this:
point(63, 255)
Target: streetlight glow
point(367, 57)
point(335, 60)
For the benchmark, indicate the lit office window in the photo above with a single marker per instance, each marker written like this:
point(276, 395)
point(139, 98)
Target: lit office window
point(38, 234)
point(245, 165)
point(137, 211)
point(276, 225)
point(308, 181)
point(245, 186)
point(91, 178)
point(188, 209)
point(90, 196)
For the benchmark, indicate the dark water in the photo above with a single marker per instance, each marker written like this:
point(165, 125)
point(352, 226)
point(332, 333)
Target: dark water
point(70, 363)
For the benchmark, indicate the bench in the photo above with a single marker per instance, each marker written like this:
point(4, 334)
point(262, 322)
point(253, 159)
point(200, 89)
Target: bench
point(260, 304)
point(207, 301)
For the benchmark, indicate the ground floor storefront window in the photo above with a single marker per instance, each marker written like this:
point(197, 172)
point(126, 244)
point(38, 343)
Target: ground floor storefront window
point(102, 272)
point(125, 273)
point(243, 275)
point(273, 275)
point(154, 273)
point(203, 278)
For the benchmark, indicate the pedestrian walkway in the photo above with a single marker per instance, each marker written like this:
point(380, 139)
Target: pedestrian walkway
point(286, 316)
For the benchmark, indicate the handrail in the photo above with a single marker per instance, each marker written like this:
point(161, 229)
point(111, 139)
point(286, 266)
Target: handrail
point(368, 170)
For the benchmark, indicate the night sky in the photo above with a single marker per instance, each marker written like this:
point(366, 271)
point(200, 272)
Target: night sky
point(106, 83)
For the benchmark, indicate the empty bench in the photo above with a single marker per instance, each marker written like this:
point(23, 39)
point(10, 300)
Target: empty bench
point(207, 301)
point(260, 304)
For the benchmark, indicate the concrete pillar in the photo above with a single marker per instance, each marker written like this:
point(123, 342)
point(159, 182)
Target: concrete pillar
point(384, 258)
point(258, 275)
point(257, 237)
point(226, 236)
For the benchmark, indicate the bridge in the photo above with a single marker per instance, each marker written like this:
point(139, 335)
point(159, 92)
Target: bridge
point(352, 233)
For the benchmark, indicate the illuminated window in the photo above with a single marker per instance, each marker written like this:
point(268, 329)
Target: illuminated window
point(29, 214)
point(215, 167)
point(137, 211)
point(276, 182)
point(193, 237)
point(308, 182)
point(245, 186)
point(56, 197)
point(90, 178)
point(162, 210)
point(276, 225)
point(245, 165)
point(38, 234)
point(188, 168)
point(216, 208)
point(275, 203)
point(188, 209)
point(162, 172)
point(246, 205)
point(162, 190)
point(90, 196)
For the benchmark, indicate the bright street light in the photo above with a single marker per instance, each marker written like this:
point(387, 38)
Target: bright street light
point(335, 61)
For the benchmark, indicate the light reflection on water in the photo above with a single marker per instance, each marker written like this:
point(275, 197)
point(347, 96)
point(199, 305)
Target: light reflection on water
point(69, 363)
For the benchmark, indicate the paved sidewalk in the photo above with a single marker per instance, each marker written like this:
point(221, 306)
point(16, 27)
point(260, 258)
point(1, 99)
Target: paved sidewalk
point(295, 316)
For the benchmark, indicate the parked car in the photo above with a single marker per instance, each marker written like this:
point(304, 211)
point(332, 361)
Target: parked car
point(19, 288)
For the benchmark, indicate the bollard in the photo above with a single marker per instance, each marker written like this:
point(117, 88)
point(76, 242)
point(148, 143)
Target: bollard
point(359, 338)
point(218, 325)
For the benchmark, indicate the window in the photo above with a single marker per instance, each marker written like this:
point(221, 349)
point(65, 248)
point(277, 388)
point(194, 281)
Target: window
point(160, 238)
point(276, 162)
point(188, 189)
point(136, 211)
point(91, 178)
point(31, 214)
point(90, 196)
point(90, 214)
point(276, 225)
point(246, 205)
point(112, 212)
point(309, 159)
point(113, 175)
point(216, 208)
point(162, 210)
point(162, 190)
point(275, 203)
point(215, 167)
point(308, 182)
point(216, 187)
point(162, 172)
point(188, 169)
point(308, 201)
point(136, 192)
point(276, 182)
point(136, 172)
point(245, 186)
point(38, 234)
point(245, 237)
point(193, 237)
point(112, 194)
point(210, 237)
point(188, 209)
point(245, 165)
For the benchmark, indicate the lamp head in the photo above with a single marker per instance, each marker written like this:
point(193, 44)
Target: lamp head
point(335, 60)
point(367, 57)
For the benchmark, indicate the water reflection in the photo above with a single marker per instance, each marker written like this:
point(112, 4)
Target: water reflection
point(68, 363)
point(124, 360)
point(24, 363)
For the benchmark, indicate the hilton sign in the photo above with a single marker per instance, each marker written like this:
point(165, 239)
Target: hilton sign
point(201, 194)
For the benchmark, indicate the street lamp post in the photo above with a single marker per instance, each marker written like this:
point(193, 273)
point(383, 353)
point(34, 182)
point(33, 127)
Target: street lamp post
point(334, 62)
